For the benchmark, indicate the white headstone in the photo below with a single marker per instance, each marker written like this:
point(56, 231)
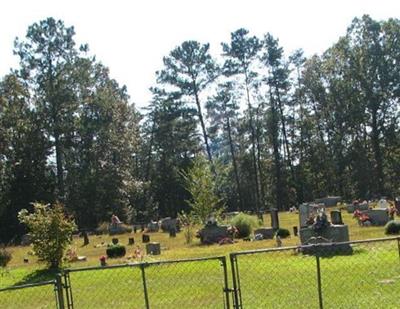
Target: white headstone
point(383, 204)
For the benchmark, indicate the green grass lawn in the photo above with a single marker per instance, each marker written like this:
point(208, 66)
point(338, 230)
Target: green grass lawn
point(284, 279)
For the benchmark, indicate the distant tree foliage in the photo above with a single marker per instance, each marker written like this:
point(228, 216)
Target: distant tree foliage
point(276, 129)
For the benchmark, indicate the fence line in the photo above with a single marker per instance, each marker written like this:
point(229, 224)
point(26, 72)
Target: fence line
point(32, 296)
point(354, 274)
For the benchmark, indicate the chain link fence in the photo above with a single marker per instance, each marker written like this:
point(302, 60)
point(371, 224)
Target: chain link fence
point(358, 274)
point(190, 283)
point(42, 295)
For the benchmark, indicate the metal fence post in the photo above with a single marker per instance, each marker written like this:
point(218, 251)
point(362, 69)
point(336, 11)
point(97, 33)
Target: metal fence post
point(68, 290)
point(60, 294)
point(235, 279)
point(146, 296)
point(226, 287)
point(398, 246)
point(321, 306)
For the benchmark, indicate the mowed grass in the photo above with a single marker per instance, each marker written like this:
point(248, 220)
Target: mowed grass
point(268, 280)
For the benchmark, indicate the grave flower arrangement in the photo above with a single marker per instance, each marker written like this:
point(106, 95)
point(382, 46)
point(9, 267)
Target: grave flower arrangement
point(103, 260)
point(321, 222)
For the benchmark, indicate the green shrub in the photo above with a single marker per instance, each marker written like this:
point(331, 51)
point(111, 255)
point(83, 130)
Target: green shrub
point(51, 231)
point(244, 224)
point(392, 228)
point(5, 257)
point(117, 250)
point(282, 233)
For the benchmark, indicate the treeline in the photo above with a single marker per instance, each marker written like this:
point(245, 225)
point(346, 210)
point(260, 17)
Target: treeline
point(276, 129)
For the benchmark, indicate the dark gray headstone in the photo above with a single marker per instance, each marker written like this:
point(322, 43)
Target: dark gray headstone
point(295, 230)
point(213, 233)
point(274, 218)
point(336, 217)
point(266, 232)
point(153, 248)
point(85, 238)
point(145, 238)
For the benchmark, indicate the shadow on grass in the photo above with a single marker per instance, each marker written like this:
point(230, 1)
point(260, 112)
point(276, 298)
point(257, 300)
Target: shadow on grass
point(37, 276)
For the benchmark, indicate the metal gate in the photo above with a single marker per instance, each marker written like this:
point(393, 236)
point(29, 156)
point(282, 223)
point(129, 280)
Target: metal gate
point(161, 284)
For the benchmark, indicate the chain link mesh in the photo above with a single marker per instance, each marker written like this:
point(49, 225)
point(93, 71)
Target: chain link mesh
point(107, 288)
point(353, 275)
point(29, 297)
point(196, 284)
point(360, 274)
point(368, 278)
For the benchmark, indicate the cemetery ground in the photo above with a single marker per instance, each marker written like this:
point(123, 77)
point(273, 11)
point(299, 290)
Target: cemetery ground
point(265, 278)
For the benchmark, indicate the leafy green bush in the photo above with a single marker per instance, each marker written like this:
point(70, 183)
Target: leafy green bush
point(392, 228)
point(199, 182)
point(282, 233)
point(117, 250)
point(51, 232)
point(244, 224)
point(5, 257)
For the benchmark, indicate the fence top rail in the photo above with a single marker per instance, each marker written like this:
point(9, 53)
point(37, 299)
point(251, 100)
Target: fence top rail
point(144, 264)
point(29, 285)
point(320, 245)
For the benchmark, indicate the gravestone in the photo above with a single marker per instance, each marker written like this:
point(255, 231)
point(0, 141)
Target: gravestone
point(213, 233)
point(131, 241)
point(153, 248)
point(168, 223)
point(329, 201)
point(305, 211)
point(153, 226)
point(274, 218)
point(383, 204)
point(115, 241)
point(266, 232)
point(336, 217)
point(338, 233)
point(378, 216)
point(353, 207)
point(295, 230)
point(134, 229)
point(145, 238)
point(85, 238)
point(322, 231)
point(172, 232)
point(26, 240)
point(117, 228)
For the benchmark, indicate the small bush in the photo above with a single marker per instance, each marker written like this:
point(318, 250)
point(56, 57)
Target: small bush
point(244, 224)
point(51, 231)
point(5, 257)
point(282, 233)
point(392, 228)
point(114, 251)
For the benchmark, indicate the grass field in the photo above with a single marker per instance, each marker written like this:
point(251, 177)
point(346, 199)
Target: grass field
point(282, 279)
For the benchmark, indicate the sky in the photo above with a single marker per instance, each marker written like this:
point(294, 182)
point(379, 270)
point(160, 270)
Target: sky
point(132, 36)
